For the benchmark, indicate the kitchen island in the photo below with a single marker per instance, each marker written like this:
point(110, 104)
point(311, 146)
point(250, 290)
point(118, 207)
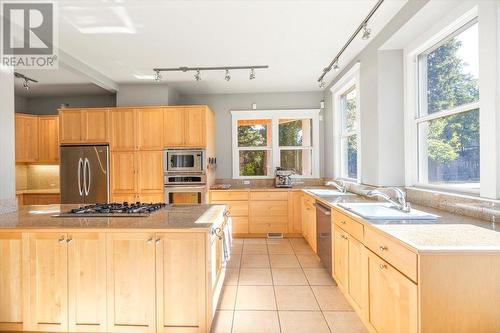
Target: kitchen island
point(161, 273)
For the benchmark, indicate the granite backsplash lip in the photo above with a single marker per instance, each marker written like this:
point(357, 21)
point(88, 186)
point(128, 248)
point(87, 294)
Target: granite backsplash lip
point(176, 217)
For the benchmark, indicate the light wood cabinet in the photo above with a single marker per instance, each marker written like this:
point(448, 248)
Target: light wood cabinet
point(48, 141)
point(355, 271)
point(392, 298)
point(186, 127)
point(47, 271)
point(150, 172)
point(27, 138)
point(87, 282)
point(12, 282)
point(180, 278)
point(123, 172)
point(131, 282)
point(137, 129)
point(150, 129)
point(123, 133)
point(309, 221)
point(84, 126)
point(295, 212)
point(340, 258)
point(40, 199)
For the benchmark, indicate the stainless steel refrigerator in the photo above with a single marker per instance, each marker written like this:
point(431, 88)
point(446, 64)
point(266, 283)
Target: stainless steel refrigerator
point(84, 174)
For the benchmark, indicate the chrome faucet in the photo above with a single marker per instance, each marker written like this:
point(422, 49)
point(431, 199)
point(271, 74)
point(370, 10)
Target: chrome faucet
point(400, 202)
point(338, 184)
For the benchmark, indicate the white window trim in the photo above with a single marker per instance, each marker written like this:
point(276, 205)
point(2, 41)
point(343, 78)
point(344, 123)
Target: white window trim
point(430, 38)
point(349, 79)
point(274, 115)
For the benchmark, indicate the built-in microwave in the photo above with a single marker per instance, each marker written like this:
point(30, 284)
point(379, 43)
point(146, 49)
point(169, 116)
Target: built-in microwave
point(184, 160)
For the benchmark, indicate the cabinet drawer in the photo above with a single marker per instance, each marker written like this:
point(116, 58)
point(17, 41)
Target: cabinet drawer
point(267, 227)
point(269, 195)
point(396, 254)
point(348, 224)
point(229, 195)
point(240, 225)
point(269, 208)
point(235, 208)
point(268, 219)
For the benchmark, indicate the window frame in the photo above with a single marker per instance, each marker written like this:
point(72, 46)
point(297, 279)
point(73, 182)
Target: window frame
point(350, 80)
point(419, 84)
point(274, 148)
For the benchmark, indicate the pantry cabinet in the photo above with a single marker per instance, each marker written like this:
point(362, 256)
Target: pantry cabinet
point(48, 139)
point(131, 282)
point(27, 138)
point(187, 126)
point(84, 126)
point(137, 129)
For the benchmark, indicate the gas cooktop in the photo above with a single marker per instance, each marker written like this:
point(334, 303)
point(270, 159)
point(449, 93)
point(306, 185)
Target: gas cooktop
point(125, 209)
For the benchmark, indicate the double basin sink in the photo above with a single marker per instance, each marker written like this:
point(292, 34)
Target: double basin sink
point(376, 210)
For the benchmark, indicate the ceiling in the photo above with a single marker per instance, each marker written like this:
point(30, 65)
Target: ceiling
point(297, 39)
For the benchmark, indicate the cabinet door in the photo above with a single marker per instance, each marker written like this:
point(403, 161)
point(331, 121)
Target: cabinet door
point(48, 142)
point(150, 171)
point(151, 197)
point(195, 132)
point(340, 258)
point(355, 262)
point(71, 126)
point(150, 129)
point(181, 282)
point(295, 212)
point(131, 282)
point(305, 215)
point(174, 127)
point(96, 126)
point(12, 282)
point(87, 282)
point(123, 129)
point(392, 298)
point(312, 229)
point(26, 138)
point(48, 282)
point(123, 172)
point(41, 199)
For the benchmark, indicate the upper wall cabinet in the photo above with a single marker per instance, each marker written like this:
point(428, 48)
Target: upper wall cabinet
point(187, 127)
point(37, 139)
point(137, 129)
point(84, 126)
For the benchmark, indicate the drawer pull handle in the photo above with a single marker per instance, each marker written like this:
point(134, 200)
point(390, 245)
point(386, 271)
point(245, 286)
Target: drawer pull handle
point(343, 222)
point(150, 240)
point(383, 266)
point(69, 240)
point(158, 241)
point(61, 240)
point(383, 248)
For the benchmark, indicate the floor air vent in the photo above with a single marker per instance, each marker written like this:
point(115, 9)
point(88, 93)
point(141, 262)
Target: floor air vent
point(274, 235)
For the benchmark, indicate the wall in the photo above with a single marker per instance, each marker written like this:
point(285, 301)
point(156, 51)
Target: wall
point(222, 104)
point(142, 94)
point(7, 139)
point(49, 105)
point(37, 177)
point(382, 109)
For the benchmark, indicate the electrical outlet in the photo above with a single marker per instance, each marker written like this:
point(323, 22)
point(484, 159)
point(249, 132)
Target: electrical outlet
point(246, 182)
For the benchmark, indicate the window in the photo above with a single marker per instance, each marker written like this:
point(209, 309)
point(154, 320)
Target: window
point(346, 124)
point(447, 121)
point(265, 140)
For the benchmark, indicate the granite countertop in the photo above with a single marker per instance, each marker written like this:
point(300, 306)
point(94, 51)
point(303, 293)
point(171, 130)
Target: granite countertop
point(175, 218)
point(42, 191)
point(450, 232)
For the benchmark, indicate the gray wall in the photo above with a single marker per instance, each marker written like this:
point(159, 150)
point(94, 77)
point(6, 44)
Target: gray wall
point(222, 104)
point(382, 107)
point(7, 138)
point(49, 105)
point(142, 94)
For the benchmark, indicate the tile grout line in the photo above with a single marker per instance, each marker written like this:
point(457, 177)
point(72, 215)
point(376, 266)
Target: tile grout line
point(274, 289)
point(237, 286)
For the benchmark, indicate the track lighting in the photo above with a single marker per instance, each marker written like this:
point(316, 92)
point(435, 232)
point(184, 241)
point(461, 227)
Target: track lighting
point(322, 84)
point(228, 76)
point(366, 31)
point(197, 76)
point(26, 84)
point(336, 65)
point(157, 76)
point(252, 74)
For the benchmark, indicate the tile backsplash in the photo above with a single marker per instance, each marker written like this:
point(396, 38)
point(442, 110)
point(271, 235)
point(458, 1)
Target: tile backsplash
point(37, 177)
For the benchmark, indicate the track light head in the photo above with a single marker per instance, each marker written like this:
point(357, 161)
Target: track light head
point(322, 84)
point(26, 84)
point(252, 74)
point(157, 76)
point(336, 65)
point(366, 32)
point(197, 76)
point(228, 76)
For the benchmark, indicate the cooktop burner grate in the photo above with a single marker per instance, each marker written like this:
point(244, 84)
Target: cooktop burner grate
point(125, 209)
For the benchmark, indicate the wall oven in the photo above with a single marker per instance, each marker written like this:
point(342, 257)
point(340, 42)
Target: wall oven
point(177, 160)
point(185, 194)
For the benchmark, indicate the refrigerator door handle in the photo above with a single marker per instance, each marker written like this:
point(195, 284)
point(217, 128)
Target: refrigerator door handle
point(86, 171)
point(80, 165)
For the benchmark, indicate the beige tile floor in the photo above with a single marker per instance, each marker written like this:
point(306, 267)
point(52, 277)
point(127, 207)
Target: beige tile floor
point(281, 286)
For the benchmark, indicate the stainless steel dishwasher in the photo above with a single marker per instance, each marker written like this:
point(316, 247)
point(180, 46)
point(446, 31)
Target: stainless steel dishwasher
point(324, 234)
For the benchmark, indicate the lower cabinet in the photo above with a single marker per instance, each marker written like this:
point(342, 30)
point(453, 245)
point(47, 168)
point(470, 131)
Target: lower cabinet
point(392, 298)
point(131, 282)
point(309, 221)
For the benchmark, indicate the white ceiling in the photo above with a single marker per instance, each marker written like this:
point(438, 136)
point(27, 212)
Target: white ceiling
point(121, 39)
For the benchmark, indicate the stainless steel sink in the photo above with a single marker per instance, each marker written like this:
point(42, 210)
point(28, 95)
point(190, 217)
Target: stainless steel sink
point(383, 211)
point(327, 192)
